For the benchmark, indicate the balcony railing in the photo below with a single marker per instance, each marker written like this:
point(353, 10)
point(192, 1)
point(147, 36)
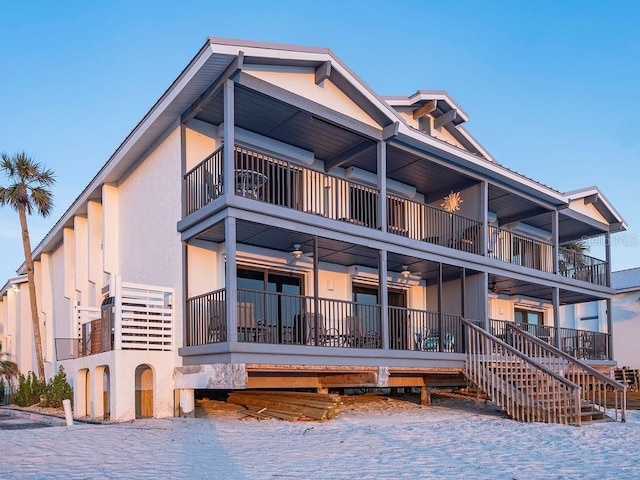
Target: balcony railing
point(433, 225)
point(585, 344)
point(582, 344)
point(138, 317)
point(519, 250)
point(412, 329)
point(279, 182)
point(285, 319)
point(572, 264)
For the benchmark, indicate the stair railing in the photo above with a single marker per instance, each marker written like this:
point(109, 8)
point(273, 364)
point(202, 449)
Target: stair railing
point(595, 385)
point(506, 375)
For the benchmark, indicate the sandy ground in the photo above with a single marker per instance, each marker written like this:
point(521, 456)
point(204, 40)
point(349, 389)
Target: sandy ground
point(375, 438)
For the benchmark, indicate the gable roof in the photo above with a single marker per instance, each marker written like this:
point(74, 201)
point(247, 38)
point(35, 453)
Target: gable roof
point(594, 196)
point(217, 58)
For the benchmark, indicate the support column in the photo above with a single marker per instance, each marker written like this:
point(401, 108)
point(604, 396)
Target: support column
point(607, 250)
point(231, 281)
point(440, 342)
point(485, 313)
point(556, 315)
point(187, 403)
point(484, 212)
point(316, 300)
point(229, 138)
point(382, 219)
point(555, 238)
point(425, 396)
point(384, 299)
point(463, 292)
point(610, 327)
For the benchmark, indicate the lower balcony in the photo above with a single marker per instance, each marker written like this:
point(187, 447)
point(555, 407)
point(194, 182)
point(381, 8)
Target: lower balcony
point(284, 319)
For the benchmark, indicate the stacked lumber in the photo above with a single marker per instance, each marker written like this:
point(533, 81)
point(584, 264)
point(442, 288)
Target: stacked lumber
point(293, 406)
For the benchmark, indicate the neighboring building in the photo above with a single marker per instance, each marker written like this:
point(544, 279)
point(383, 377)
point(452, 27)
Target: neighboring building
point(626, 317)
point(275, 170)
point(16, 339)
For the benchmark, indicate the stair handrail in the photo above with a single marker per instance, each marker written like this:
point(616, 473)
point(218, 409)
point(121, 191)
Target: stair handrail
point(573, 387)
point(523, 356)
point(617, 386)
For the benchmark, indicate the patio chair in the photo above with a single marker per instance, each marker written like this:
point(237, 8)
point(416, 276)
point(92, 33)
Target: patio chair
point(217, 321)
point(247, 323)
point(317, 332)
point(357, 336)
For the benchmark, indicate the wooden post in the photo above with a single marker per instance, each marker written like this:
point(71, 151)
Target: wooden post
point(425, 396)
point(323, 390)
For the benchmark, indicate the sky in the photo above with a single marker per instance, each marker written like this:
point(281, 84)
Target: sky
point(552, 89)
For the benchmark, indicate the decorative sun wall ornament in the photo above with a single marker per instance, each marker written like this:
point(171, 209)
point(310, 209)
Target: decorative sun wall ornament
point(452, 202)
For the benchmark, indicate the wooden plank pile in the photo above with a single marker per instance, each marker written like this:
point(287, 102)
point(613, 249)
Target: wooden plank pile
point(293, 406)
point(628, 377)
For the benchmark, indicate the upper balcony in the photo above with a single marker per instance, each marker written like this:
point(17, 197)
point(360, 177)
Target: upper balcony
point(280, 182)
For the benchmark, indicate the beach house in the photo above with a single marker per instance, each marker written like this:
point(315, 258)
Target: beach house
point(272, 222)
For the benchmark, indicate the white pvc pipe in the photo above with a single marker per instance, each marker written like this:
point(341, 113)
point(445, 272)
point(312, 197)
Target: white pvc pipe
point(67, 412)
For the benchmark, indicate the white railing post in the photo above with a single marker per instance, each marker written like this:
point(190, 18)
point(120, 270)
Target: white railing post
point(117, 320)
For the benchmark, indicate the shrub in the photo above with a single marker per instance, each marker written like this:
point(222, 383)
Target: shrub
point(58, 389)
point(29, 390)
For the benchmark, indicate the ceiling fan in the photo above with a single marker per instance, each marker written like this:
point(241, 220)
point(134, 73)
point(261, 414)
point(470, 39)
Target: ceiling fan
point(494, 288)
point(297, 253)
point(407, 274)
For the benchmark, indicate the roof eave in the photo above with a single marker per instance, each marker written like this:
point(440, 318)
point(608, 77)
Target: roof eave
point(483, 167)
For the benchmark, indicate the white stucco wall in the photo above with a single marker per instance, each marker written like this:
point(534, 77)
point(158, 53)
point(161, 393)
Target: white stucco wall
point(122, 383)
point(626, 329)
point(149, 205)
point(150, 199)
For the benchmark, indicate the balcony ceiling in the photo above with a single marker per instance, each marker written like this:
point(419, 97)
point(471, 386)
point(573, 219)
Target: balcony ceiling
point(270, 117)
point(503, 285)
point(267, 116)
point(570, 229)
point(347, 254)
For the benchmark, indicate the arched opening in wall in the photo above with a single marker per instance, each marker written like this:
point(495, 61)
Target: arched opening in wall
point(106, 393)
point(83, 407)
point(102, 388)
point(144, 392)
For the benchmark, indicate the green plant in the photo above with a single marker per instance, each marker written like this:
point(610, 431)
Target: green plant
point(30, 389)
point(58, 389)
point(2, 387)
point(28, 191)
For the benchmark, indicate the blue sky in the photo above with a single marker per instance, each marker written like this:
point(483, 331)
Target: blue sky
point(552, 88)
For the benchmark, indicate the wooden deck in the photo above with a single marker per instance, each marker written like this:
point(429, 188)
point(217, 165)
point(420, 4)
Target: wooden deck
point(323, 377)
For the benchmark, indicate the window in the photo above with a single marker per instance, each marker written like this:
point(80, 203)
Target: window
point(530, 317)
point(275, 299)
point(395, 213)
point(363, 206)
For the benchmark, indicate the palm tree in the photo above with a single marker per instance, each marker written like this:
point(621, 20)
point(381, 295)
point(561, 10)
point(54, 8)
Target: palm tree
point(573, 256)
point(28, 191)
point(8, 370)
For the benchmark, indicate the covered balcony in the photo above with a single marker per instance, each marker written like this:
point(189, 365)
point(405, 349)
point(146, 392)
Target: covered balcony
point(351, 195)
point(299, 290)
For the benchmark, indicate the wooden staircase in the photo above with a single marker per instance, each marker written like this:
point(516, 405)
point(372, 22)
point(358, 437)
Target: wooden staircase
point(535, 382)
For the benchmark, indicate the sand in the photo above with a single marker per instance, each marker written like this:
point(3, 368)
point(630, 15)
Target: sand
point(373, 439)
